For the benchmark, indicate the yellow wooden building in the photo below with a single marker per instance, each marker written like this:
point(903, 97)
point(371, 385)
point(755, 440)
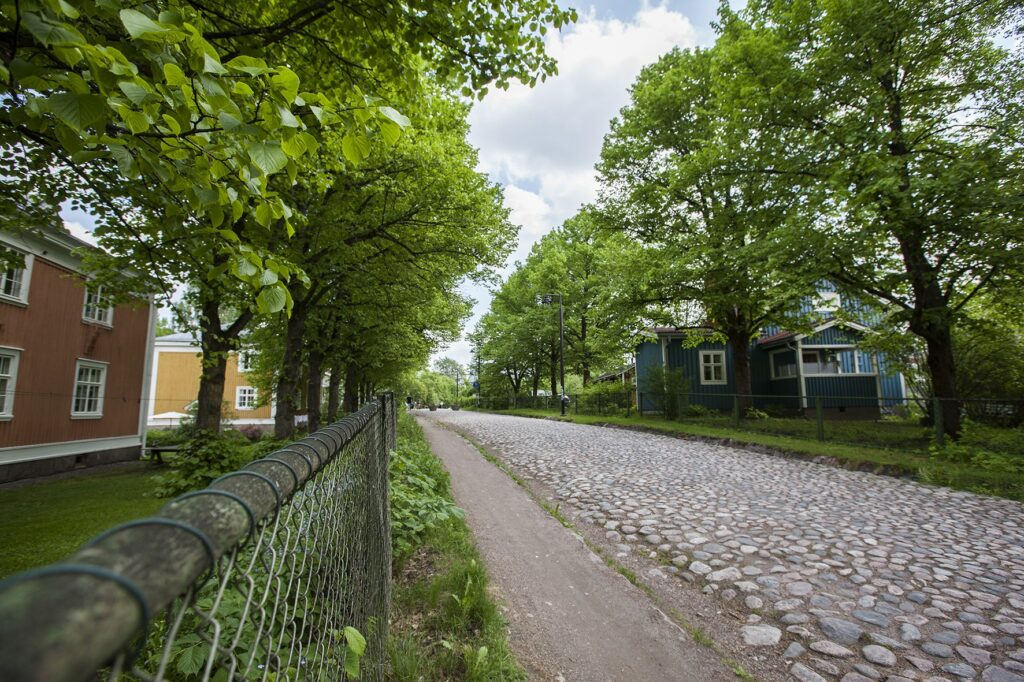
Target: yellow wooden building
point(174, 385)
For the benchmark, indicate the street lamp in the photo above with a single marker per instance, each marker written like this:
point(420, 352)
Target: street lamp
point(548, 299)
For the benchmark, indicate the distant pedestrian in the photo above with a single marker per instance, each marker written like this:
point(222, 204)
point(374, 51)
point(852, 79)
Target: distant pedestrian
point(408, 402)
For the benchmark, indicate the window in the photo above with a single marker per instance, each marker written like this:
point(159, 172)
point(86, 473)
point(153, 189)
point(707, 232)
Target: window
point(245, 359)
point(8, 377)
point(827, 302)
point(821, 362)
point(245, 398)
point(712, 367)
point(783, 367)
point(14, 282)
point(97, 309)
point(90, 381)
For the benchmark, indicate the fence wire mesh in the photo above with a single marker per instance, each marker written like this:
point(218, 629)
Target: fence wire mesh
point(261, 576)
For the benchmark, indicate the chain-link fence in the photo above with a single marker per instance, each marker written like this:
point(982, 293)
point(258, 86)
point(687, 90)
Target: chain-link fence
point(279, 571)
point(896, 423)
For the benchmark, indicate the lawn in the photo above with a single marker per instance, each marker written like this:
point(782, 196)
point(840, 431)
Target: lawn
point(999, 475)
point(46, 522)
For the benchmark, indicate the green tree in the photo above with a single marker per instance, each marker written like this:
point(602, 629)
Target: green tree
point(674, 172)
point(905, 127)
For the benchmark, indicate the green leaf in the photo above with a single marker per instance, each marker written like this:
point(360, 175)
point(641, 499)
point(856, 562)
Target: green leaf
point(391, 132)
point(355, 147)
point(249, 65)
point(294, 146)
point(286, 82)
point(136, 121)
point(271, 299)
point(174, 75)
point(268, 277)
point(139, 25)
point(78, 111)
point(212, 65)
point(49, 32)
point(133, 91)
point(268, 157)
point(398, 118)
point(356, 647)
point(172, 124)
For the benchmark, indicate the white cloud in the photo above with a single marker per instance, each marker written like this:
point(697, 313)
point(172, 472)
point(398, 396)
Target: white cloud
point(542, 143)
point(78, 230)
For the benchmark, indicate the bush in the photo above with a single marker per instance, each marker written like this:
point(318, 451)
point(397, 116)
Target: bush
point(754, 413)
point(696, 410)
point(165, 437)
point(420, 497)
point(202, 458)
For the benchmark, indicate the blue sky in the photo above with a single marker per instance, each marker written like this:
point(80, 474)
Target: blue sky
point(541, 144)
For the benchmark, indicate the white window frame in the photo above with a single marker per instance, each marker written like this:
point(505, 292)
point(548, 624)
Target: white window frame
point(26, 280)
point(7, 409)
point(244, 365)
point(90, 364)
point(109, 321)
point(238, 397)
point(828, 302)
point(775, 373)
point(718, 360)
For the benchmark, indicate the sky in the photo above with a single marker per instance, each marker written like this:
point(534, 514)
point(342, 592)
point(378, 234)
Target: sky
point(541, 144)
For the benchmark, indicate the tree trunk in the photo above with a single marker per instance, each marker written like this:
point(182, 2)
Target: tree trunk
point(348, 404)
point(211, 391)
point(584, 356)
point(536, 381)
point(214, 364)
point(314, 389)
point(740, 345)
point(291, 369)
point(938, 338)
point(333, 390)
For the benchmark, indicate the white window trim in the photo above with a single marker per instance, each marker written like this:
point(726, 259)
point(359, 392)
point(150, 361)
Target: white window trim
point(15, 355)
point(109, 322)
point(97, 364)
point(238, 398)
point(243, 367)
point(771, 362)
point(725, 374)
point(26, 280)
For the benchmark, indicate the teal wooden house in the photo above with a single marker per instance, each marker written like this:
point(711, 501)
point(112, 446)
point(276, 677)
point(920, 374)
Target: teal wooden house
point(790, 372)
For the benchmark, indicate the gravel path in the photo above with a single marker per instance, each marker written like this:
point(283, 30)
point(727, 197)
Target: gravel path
point(847, 575)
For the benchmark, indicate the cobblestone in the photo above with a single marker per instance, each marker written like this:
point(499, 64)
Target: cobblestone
point(915, 570)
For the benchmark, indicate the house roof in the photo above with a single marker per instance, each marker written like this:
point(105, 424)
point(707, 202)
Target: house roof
point(663, 331)
point(181, 337)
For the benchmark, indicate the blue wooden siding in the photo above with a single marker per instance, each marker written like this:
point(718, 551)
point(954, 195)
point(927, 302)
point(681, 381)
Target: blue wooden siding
point(892, 384)
point(843, 391)
point(836, 335)
point(688, 360)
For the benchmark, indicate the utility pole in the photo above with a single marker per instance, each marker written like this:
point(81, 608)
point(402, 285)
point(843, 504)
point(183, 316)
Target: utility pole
point(547, 299)
point(479, 383)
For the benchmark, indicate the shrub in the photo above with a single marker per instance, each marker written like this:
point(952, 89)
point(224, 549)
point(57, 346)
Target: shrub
point(164, 437)
point(202, 458)
point(754, 413)
point(420, 498)
point(696, 410)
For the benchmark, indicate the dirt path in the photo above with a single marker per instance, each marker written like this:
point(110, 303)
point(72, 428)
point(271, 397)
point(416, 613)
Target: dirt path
point(571, 617)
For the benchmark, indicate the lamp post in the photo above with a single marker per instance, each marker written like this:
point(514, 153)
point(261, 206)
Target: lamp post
point(548, 299)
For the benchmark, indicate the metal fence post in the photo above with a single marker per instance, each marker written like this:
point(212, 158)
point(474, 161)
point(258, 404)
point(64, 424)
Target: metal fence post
point(599, 404)
point(819, 410)
point(736, 409)
point(940, 434)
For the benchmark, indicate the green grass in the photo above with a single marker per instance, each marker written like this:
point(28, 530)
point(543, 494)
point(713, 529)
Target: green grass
point(46, 522)
point(916, 463)
point(444, 623)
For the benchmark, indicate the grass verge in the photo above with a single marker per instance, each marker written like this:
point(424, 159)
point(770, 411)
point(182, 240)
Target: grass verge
point(698, 634)
point(46, 522)
point(444, 623)
point(914, 464)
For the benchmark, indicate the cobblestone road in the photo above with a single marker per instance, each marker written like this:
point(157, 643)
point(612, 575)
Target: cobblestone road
point(847, 575)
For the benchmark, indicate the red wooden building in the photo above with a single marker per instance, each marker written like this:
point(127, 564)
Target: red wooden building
point(73, 368)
